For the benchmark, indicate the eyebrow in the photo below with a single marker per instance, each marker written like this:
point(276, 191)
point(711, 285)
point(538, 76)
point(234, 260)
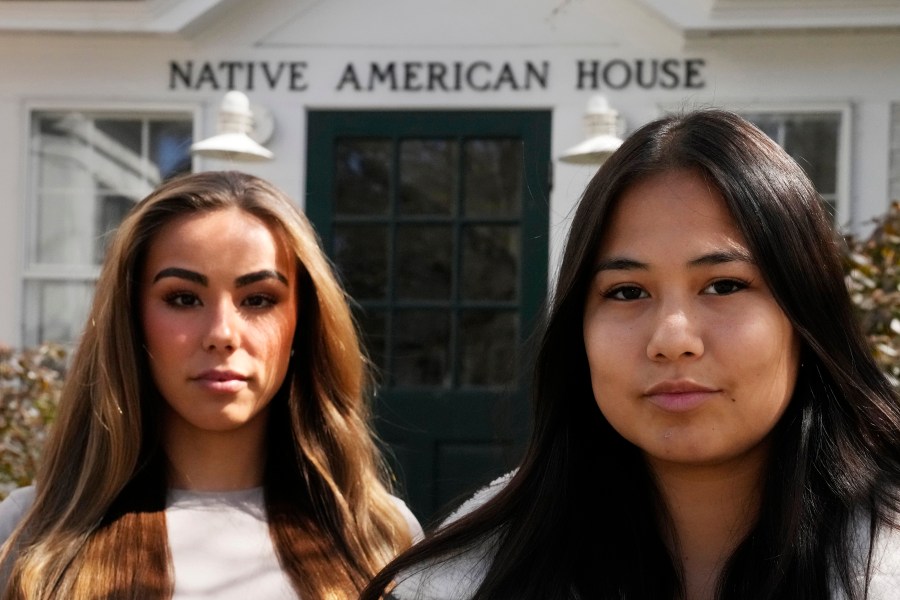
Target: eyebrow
point(204, 281)
point(260, 276)
point(725, 256)
point(617, 263)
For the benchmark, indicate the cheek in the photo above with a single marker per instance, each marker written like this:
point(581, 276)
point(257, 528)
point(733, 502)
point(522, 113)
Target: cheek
point(157, 329)
point(770, 351)
point(166, 339)
point(610, 350)
point(277, 337)
point(609, 371)
point(766, 369)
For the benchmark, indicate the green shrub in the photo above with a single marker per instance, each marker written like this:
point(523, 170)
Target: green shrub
point(30, 386)
point(873, 278)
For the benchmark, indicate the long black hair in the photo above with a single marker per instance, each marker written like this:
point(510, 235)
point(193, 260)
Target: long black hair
point(582, 516)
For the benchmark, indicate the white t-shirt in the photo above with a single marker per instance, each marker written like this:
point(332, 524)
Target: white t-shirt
point(219, 542)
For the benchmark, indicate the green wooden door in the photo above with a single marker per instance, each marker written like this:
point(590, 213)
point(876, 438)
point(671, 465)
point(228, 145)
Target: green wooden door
point(438, 225)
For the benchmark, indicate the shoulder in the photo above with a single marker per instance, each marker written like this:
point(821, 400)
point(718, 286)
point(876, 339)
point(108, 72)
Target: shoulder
point(13, 509)
point(412, 523)
point(875, 562)
point(479, 499)
point(884, 581)
point(455, 577)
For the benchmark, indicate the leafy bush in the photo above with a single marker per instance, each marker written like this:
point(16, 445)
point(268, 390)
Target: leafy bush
point(873, 278)
point(30, 386)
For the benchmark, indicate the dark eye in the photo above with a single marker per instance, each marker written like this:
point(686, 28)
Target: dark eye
point(259, 301)
point(723, 287)
point(182, 299)
point(626, 292)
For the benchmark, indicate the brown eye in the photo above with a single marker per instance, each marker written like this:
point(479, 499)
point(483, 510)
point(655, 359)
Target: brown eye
point(182, 299)
point(626, 292)
point(260, 301)
point(724, 287)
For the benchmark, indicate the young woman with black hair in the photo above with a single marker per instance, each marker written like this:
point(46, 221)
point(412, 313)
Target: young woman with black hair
point(708, 421)
point(213, 437)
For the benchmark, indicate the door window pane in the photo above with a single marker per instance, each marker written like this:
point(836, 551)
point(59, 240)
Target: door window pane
point(490, 262)
point(362, 177)
point(373, 323)
point(493, 175)
point(361, 254)
point(421, 348)
point(428, 170)
point(424, 262)
point(487, 347)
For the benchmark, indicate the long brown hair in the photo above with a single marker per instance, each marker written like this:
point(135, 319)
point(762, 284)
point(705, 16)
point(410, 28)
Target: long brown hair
point(97, 527)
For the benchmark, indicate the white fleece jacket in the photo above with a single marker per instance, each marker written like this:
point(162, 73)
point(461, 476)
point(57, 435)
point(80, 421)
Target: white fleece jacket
point(458, 578)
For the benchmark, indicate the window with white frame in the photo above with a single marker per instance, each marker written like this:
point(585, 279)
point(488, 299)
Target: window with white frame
point(894, 174)
point(87, 169)
point(813, 139)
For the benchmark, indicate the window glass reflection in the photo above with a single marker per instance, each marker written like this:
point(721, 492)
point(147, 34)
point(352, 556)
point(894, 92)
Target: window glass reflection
point(428, 170)
point(487, 347)
point(89, 169)
point(373, 326)
point(490, 262)
point(812, 139)
point(493, 177)
point(56, 311)
point(421, 348)
point(424, 261)
point(360, 253)
point(362, 177)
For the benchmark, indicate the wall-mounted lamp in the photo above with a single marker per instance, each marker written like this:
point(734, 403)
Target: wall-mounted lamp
point(237, 123)
point(603, 127)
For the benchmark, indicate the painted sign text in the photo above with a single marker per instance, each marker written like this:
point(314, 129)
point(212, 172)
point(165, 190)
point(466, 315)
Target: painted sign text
point(442, 76)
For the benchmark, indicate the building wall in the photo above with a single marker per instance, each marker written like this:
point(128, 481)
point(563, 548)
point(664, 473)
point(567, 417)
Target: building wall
point(848, 70)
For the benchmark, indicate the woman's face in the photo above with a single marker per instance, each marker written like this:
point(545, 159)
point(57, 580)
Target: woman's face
point(691, 358)
point(219, 308)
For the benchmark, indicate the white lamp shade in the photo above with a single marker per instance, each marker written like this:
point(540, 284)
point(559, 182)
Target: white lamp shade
point(602, 125)
point(233, 141)
point(232, 146)
point(592, 151)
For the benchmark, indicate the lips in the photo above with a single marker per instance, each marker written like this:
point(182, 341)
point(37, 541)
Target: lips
point(221, 381)
point(219, 375)
point(679, 395)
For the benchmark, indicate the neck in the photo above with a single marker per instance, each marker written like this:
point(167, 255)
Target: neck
point(215, 460)
point(711, 509)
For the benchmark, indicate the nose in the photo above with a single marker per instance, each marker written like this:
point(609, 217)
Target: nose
point(675, 336)
point(222, 327)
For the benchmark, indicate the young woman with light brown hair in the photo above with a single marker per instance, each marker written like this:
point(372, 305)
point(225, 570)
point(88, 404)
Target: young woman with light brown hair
point(213, 437)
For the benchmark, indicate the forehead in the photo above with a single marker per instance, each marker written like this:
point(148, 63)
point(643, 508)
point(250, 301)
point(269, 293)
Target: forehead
point(670, 211)
point(229, 237)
